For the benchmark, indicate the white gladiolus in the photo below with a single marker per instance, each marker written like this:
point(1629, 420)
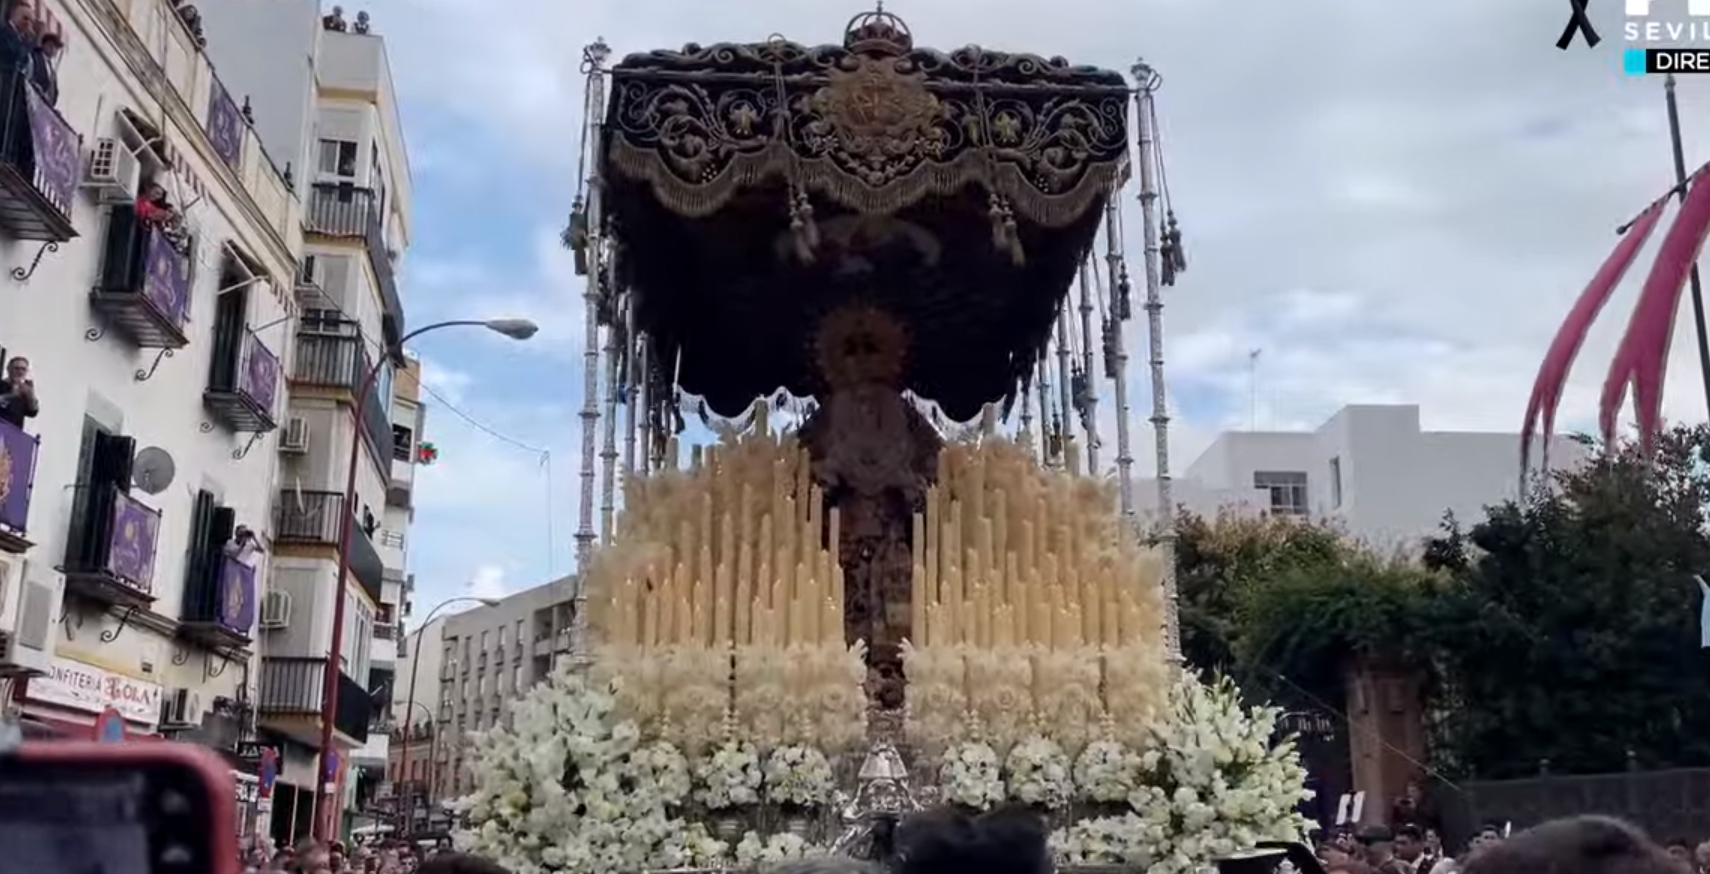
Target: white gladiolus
point(799, 776)
point(1038, 772)
point(753, 852)
point(568, 788)
point(729, 778)
point(1214, 783)
point(970, 774)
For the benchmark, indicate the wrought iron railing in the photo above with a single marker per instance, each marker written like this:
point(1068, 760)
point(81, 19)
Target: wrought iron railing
point(305, 516)
point(43, 159)
point(339, 209)
point(293, 686)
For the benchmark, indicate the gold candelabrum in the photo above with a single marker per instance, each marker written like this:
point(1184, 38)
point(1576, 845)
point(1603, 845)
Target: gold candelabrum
point(721, 601)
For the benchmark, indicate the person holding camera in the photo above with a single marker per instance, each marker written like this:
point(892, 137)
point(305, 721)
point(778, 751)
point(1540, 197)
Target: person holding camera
point(18, 393)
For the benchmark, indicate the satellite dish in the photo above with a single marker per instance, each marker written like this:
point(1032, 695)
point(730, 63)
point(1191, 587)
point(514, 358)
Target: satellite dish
point(153, 469)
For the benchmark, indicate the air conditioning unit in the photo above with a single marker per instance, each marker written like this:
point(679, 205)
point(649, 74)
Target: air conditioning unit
point(181, 708)
point(113, 172)
point(276, 609)
point(27, 647)
point(296, 438)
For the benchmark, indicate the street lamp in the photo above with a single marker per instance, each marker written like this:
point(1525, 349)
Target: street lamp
point(409, 785)
point(326, 809)
point(416, 664)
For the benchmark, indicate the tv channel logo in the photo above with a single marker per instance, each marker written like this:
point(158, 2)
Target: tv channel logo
point(1662, 36)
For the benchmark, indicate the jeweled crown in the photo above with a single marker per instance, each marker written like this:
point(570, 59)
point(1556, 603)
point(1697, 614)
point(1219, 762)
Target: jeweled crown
point(878, 33)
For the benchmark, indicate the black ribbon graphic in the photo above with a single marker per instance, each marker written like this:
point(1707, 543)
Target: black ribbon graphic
point(1580, 23)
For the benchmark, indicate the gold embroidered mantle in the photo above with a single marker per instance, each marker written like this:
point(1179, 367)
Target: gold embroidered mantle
point(871, 131)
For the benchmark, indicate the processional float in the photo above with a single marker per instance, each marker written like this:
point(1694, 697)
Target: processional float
point(893, 248)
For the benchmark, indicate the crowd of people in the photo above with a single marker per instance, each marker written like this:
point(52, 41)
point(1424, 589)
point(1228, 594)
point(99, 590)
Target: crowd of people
point(1014, 842)
point(375, 856)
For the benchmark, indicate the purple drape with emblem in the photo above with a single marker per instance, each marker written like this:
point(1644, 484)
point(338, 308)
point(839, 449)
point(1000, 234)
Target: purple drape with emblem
point(166, 283)
point(225, 125)
point(17, 476)
point(59, 161)
point(130, 554)
point(237, 596)
point(259, 376)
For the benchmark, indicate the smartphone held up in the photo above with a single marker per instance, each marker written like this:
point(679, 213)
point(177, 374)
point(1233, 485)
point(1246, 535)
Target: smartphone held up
point(133, 808)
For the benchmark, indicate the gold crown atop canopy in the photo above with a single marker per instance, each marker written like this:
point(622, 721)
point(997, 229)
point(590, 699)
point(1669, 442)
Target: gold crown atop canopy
point(878, 33)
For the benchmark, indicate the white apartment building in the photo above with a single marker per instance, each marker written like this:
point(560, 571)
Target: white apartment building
point(330, 109)
point(137, 509)
point(1371, 468)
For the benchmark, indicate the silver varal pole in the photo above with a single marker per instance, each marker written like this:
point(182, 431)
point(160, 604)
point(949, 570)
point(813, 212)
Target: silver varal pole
point(1090, 413)
point(1119, 354)
point(594, 59)
point(608, 450)
point(1148, 81)
point(640, 405)
point(1065, 385)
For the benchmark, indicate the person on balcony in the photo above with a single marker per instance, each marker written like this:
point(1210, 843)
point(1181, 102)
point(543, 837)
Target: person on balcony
point(17, 61)
point(155, 210)
point(18, 393)
point(44, 72)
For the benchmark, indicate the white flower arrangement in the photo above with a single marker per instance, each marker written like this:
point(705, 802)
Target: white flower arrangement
point(1214, 783)
point(1038, 772)
point(561, 791)
point(970, 774)
point(665, 768)
point(799, 776)
point(730, 777)
point(1106, 772)
point(754, 852)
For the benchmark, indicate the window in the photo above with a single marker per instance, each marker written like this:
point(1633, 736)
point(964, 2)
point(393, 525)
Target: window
point(322, 321)
point(1288, 491)
point(502, 631)
point(403, 442)
point(338, 158)
point(1336, 482)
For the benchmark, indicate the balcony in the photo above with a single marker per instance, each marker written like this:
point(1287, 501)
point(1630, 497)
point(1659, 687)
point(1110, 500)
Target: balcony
point(289, 701)
point(243, 379)
point(17, 481)
point(219, 603)
point(144, 287)
point(41, 164)
point(340, 359)
point(111, 548)
point(311, 518)
point(345, 211)
point(183, 85)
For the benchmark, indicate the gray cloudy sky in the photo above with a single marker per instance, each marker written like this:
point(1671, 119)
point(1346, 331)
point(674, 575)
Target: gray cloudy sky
point(1396, 201)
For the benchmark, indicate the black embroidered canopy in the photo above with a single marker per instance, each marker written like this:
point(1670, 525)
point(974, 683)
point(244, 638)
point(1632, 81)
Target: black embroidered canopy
point(754, 187)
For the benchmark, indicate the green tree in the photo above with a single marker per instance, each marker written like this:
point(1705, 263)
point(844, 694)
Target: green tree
point(1570, 630)
point(1220, 559)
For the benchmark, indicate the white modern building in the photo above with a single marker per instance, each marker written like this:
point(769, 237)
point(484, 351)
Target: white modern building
point(1371, 468)
point(322, 95)
point(136, 510)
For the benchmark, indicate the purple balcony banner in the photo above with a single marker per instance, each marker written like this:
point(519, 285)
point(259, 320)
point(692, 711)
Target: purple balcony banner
point(59, 160)
point(17, 476)
point(237, 596)
point(225, 125)
point(167, 283)
point(259, 376)
point(130, 555)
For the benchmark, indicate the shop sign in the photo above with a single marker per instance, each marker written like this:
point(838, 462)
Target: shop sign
point(86, 688)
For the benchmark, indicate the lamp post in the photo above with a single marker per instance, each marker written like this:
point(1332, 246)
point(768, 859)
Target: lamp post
point(326, 807)
point(412, 786)
point(416, 664)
